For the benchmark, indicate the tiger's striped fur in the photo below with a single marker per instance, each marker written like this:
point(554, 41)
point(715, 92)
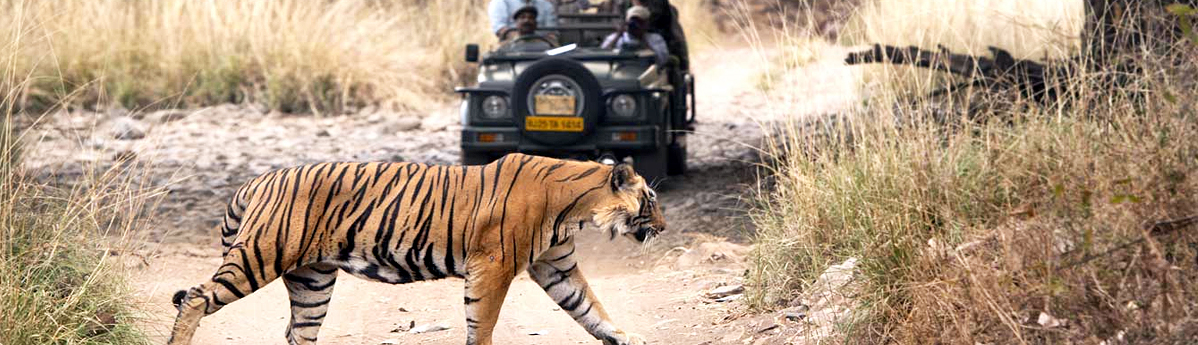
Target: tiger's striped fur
point(405, 222)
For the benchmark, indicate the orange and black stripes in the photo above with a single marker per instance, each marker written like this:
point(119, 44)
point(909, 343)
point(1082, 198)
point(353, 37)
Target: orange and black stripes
point(405, 222)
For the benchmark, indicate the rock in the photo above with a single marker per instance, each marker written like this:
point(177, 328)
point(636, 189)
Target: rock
point(1048, 321)
point(429, 328)
point(391, 341)
point(540, 332)
point(165, 116)
point(402, 124)
point(794, 315)
point(725, 291)
point(437, 122)
point(729, 298)
point(712, 253)
point(403, 328)
point(322, 133)
point(126, 128)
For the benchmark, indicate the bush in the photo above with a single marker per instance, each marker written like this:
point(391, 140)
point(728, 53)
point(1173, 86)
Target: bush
point(974, 214)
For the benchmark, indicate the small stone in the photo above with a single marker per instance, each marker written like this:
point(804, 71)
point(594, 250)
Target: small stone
point(1049, 321)
point(436, 123)
point(429, 328)
point(540, 332)
point(794, 315)
point(729, 298)
point(726, 290)
point(403, 124)
point(322, 133)
point(126, 128)
point(403, 310)
point(391, 341)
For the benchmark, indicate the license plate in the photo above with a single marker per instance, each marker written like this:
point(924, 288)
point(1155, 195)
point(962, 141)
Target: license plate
point(553, 124)
point(554, 105)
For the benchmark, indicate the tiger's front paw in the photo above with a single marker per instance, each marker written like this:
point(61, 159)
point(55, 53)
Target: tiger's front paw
point(634, 339)
point(625, 339)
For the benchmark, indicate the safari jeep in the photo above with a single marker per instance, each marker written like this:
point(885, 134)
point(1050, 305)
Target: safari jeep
point(578, 101)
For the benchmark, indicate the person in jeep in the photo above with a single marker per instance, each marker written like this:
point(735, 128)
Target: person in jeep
point(635, 35)
point(503, 13)
point(525, 37)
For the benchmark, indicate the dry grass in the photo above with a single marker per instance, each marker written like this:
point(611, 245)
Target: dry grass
point(292, 55)
point(973, 214)
point(60, 247)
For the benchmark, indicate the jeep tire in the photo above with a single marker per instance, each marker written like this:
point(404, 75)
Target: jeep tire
point(591, 95)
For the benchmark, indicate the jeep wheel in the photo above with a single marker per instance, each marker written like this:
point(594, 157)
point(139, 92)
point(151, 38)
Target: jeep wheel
point(475, 158)
point(652, 165)
point(677, 160)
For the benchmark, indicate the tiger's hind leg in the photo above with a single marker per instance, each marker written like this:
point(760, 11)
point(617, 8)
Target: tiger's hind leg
point(556, 271)
point(232, 281)
point(310, 289)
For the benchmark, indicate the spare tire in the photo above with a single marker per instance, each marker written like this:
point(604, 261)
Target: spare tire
point(557, 77)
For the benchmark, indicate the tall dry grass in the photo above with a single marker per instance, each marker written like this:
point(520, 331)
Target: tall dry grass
point(63, 281)
point(292, 55)
point(987, 217)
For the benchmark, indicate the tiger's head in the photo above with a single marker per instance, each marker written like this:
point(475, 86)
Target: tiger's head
point(633, 211)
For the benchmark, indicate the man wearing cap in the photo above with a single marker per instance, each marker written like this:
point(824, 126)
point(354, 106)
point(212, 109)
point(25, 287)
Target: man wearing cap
point(636, 35)
point(524, 37)
point(502, 14)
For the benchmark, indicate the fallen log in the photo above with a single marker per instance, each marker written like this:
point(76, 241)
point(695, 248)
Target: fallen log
point(1035, 79)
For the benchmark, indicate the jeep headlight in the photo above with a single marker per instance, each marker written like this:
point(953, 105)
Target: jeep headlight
point(623, 105)
point(495, 107)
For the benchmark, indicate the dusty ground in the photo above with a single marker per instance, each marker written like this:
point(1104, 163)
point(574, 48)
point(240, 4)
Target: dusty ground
point(202, 155)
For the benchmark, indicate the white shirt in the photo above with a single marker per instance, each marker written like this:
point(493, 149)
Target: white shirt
point(625, 41)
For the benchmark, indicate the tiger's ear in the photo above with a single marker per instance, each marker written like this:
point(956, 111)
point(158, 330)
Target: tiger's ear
point(621, 176)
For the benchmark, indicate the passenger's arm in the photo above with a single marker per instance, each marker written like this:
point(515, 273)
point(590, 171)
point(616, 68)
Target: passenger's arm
point(660, 50)
point(610, 41)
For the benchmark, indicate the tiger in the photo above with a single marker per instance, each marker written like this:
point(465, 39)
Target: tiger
point(397, 222)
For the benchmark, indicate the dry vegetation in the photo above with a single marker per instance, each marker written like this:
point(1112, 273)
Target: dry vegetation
point(291, 55)
point(974, 214)
point(64, 279)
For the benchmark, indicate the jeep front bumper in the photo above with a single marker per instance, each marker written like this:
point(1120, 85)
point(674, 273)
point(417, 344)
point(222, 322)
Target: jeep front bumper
point(509, 139)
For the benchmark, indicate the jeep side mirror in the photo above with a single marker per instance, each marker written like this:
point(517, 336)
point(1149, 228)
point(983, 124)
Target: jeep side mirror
point(472, 52)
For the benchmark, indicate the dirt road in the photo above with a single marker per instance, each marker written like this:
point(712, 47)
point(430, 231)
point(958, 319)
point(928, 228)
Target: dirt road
point(665, 303)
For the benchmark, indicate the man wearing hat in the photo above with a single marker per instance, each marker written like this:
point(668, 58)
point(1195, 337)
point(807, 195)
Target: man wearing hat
point(636, 35)
point(503, 14)
point(524, 36)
